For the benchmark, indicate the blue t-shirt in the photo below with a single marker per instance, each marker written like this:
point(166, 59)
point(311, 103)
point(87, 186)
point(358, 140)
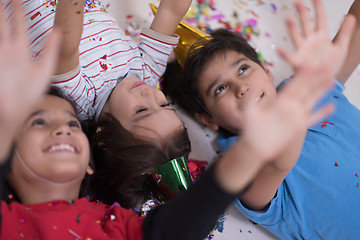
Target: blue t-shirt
point(320, 197)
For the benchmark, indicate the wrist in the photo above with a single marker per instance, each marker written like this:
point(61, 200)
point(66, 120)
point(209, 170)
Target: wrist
point(237, 167)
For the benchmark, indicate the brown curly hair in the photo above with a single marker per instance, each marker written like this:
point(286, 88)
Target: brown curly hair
point(123, 162)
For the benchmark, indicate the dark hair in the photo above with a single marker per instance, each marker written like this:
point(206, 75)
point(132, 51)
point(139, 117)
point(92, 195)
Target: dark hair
point(123, 162)
point(182, 87)
point(9, 194)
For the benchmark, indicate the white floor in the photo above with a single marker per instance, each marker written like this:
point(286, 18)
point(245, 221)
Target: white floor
point(268, 31)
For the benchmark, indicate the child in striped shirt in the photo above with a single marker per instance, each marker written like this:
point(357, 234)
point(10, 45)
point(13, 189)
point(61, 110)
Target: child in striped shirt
point(103, 70)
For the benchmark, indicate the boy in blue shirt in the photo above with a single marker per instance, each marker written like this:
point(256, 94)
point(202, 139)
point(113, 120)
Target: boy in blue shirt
point(310, 191)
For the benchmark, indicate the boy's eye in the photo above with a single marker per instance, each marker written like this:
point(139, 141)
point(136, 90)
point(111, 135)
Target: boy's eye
point(75, 124)
point(38, 122)
point(165, 104)
point(219, 89)
point(243, 68)
point(141, 109)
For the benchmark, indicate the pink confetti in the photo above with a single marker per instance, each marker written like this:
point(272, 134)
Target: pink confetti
point(254, 13)
point(251, 21)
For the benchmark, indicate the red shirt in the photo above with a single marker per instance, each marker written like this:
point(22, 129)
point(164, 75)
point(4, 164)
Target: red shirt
point(69, 220)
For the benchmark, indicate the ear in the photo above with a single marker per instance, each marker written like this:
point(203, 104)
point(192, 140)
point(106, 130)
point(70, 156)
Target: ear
point(207, 120)
point(268, 72)
point(89, 170)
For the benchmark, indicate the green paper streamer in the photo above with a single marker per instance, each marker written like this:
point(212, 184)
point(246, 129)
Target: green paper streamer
point(169, 180)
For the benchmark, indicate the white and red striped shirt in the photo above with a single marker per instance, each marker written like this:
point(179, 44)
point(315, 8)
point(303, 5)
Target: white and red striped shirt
point(107, 54)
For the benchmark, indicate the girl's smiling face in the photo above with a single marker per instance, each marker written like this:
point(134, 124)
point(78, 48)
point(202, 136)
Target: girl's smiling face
point(51, 145)
point(228, 83)
point(144, 110)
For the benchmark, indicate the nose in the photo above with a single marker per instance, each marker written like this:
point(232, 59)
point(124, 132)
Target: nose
point(62, 130)
point(242, 90)
point(147, 92)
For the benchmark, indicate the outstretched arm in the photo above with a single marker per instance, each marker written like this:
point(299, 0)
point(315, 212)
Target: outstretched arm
point(316, 61)
point(169, 15)
point(69, 19)
point(353, 58)
point(22, 79)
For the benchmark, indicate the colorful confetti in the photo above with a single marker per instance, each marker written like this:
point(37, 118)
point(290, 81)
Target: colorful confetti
point(220, 223)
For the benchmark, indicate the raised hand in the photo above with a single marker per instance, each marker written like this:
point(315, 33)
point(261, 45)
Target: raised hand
point(169, 15)
point(314, 52)
point(316, 60)
point(22, 80)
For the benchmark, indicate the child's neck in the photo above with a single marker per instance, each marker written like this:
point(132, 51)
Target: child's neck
point(45, 192)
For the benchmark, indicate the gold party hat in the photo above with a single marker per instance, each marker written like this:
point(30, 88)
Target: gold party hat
point(188, 36)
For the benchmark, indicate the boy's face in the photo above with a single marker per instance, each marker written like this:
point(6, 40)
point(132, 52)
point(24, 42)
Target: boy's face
point(228, 84)
point(144, 110)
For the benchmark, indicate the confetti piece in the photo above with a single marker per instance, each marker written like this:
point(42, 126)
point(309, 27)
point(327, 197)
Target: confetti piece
point(329, 123)
point(35, 15)
point(254, 14)
point(273, 7)
point(220, 223)
point(210, 236)
point(74, 233)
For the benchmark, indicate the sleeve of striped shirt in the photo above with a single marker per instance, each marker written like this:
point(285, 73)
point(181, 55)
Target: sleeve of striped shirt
point(76, 87)
point(155, 49)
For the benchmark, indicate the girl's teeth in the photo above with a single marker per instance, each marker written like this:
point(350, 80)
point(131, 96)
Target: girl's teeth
point(62, 147)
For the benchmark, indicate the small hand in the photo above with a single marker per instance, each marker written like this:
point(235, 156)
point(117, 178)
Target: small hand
point(22, 80)
point(314, 52)
point(169, 15)
point(316, 61)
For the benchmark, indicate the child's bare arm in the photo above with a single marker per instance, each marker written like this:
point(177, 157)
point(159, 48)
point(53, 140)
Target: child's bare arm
point(316, 61)
point(69, 19)
point(353, 58)
point(169, 14)
point(22, 80)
